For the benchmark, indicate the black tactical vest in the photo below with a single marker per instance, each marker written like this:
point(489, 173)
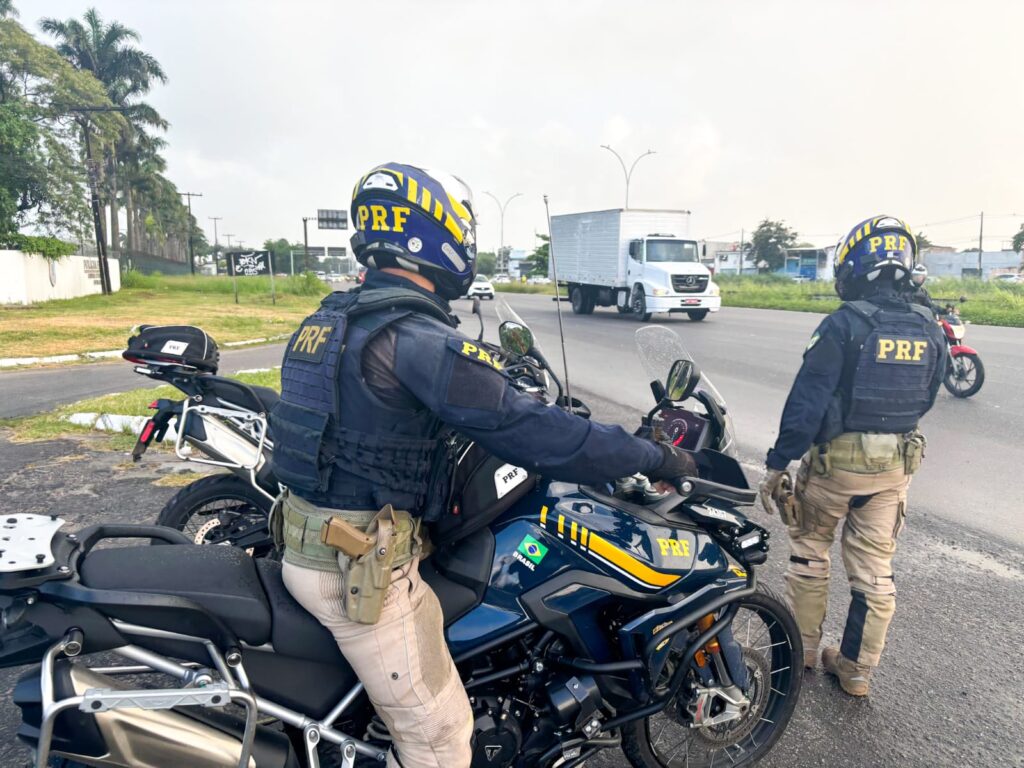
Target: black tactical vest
point(335, 443)
point(889, 368)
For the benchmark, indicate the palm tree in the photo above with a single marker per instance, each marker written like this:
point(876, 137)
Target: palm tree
point(7, 10)
point(127, 72)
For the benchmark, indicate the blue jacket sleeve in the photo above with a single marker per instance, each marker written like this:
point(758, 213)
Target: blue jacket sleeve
point(809, 398)
point(455, 379)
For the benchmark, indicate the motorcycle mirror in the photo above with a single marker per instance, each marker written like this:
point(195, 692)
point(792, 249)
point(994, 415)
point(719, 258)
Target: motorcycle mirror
point(683, 377)
point(479, 314)
point(515, 337)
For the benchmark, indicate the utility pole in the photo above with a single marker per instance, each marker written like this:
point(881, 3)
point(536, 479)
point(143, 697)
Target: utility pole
point(305, 240)
point(628, 174)
point(502, 262)
point(92, 168)
point(981, 234)
point(216, 243)
point(191, 255)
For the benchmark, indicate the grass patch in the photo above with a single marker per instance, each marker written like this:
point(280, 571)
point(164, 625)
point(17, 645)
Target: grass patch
point(97, 322)
point(53, 425)
point(525, 288)
point(987, 303)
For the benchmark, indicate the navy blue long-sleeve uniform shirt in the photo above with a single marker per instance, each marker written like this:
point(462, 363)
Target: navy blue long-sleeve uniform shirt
point(420, 363)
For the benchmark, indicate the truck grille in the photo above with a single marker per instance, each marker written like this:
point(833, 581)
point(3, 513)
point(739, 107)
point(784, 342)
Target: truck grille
point(689, 283)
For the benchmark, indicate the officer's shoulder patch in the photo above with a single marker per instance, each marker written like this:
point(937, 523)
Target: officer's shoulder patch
point(814, 340)
point(310, 341)
point(471, 350)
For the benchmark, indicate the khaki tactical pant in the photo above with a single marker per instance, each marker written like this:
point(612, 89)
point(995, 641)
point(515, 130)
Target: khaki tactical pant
point(402, 660)
point(873, 506)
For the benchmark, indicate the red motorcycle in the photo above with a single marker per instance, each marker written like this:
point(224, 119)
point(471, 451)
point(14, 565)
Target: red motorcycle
point(965, 374)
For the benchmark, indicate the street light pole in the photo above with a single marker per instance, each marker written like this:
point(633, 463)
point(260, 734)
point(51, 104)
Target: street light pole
point(191, 255)
point(628, 174)
point(502, 266)
point(305, 241)
point(216, 243)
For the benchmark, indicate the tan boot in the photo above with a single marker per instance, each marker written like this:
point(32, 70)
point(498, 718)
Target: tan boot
point(810, 658)
point(853, 678)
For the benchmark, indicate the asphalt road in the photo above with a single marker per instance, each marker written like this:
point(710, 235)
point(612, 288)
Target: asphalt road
point(950, 691)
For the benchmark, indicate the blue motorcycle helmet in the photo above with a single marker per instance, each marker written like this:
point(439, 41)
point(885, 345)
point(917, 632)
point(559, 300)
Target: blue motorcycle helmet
point(882, 248)
point(419, 220)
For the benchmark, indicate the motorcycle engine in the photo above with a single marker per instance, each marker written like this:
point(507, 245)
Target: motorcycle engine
point(497, 735)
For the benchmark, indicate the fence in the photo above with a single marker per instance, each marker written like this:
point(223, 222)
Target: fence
point(28, 278)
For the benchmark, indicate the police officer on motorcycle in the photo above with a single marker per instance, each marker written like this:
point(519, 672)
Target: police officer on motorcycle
point(918, 293)
point(870, 372)
point(372, 383)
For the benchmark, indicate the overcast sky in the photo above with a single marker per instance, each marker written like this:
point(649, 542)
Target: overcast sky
point(819, 113)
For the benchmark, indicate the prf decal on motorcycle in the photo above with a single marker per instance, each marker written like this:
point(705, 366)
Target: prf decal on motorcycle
point(901, 350)
point(674, 547)
point(507, 477)
point(311, 341)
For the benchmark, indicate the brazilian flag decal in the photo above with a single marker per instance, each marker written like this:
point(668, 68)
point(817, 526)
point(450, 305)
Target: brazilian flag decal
point(532, 549)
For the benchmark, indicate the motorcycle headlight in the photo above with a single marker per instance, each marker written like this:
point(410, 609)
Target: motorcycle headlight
point(659, 291)
point(713, 289)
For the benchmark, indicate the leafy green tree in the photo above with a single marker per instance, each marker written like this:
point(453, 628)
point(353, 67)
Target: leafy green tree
point(486, 263)
point(1018, 239)
point(923, 241)
point(127, 72)
point(770, 241)
point(538, 260)
point(7, 10)
point(282, 250)
point(42, 179)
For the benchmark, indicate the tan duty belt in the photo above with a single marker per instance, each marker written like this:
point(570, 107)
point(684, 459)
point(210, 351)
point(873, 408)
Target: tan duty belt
point(869, 453)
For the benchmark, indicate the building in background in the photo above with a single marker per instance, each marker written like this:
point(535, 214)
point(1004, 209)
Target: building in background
point(723, 257)
point(809, 263)
point(965, 264)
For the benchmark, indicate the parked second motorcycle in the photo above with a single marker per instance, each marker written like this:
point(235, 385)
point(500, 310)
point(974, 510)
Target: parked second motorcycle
point(221, 422)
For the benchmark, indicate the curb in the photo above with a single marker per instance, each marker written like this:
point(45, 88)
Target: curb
point(14, 362)
point(113, 422)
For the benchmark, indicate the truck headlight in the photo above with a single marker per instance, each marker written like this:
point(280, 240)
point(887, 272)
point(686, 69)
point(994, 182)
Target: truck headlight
point(659, 291)
point(713, 289)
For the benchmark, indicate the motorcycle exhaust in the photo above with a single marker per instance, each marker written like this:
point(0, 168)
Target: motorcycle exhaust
point(148, 738)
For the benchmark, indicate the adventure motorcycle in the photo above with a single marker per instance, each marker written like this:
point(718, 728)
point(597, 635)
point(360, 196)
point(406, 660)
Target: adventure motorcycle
point(580, 618)
point(964, 374)
point(221, 422)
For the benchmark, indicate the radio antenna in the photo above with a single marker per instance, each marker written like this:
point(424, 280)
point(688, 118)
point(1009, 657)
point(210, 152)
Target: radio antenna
point(558, 306)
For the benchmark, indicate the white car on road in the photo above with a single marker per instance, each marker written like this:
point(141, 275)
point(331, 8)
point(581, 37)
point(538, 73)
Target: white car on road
point(481, 287)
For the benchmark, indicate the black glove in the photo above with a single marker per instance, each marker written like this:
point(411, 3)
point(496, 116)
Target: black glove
point(677, 463)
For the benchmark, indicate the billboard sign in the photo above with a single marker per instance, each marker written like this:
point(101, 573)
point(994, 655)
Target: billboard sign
point(248, 263)
point(331, 218)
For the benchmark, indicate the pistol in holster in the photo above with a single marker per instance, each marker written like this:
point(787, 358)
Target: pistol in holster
point(368, 558)
point(786, 501)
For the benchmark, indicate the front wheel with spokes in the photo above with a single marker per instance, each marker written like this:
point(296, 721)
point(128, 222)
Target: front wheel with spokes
point(734, 733)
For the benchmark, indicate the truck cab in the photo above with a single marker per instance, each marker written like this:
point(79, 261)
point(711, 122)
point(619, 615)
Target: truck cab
point(665, 274)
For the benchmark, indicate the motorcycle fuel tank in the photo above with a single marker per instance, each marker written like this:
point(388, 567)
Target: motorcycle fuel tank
point(559, 530)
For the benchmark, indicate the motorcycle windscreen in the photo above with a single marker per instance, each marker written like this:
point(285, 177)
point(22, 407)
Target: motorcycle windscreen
point(658, 348)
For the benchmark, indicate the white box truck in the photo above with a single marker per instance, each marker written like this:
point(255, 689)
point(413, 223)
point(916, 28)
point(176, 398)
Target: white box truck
point(636, 260)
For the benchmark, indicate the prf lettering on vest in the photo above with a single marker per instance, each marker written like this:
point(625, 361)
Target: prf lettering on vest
point(674, 547)
point(381, 219)
point(901, 350)
point(310, 338)
point(473, 352)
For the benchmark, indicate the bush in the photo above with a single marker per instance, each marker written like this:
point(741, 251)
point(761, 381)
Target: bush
point(524, 288)
point(47, 247)
point(306, 284)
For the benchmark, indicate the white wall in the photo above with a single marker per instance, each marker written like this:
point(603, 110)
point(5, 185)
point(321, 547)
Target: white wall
point(27, 278)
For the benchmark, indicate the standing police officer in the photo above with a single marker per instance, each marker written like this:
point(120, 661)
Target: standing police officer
point(870, 372)
point(372, 383)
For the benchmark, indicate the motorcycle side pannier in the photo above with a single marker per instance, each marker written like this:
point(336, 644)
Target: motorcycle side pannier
point(483, 487)
point(176, 344)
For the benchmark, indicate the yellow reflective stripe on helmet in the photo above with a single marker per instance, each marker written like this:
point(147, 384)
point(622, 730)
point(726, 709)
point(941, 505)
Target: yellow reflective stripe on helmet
point(629, 564)
point(398, 175)
point(460, 210)
point(426, 200)
point(438, 210)
point(413, 190)
point(452, 226)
